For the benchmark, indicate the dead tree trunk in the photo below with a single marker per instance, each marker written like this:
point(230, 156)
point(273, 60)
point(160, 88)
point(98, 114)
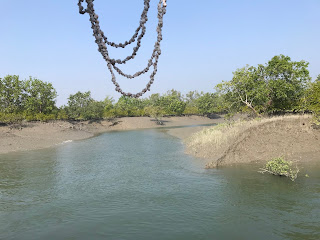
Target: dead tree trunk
point(249, 105)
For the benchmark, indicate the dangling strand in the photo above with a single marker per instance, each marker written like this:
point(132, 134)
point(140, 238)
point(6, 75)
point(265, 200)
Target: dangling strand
point(102, 43)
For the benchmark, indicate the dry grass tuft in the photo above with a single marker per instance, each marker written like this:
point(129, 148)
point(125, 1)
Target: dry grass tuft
point(215, 141)
point(225, 132)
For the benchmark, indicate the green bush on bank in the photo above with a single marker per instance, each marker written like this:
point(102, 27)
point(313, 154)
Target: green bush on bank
point(280, 167)
point(313, 100)
point(276, 86)
point(40, 117)
point(11, 117)
point(191, 110)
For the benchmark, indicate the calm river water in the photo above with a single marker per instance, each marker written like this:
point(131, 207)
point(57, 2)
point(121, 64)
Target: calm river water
point(140, 185)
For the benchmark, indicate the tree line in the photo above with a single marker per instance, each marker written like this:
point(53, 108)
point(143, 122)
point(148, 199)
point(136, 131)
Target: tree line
point(279, 86)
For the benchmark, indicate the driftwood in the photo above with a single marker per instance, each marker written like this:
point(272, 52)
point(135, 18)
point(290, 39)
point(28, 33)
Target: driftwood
point(159, 122)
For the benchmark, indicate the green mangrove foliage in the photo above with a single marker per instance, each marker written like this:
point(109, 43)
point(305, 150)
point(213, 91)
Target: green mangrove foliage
point(209, 103)
point(277, 86)
point(281, 85)
point(312, 100)
point(280, 167)
point(191, 99)
point(30, 99)
point(130, 107)
point(171, 103)
point(81, 106)
point(40, 96)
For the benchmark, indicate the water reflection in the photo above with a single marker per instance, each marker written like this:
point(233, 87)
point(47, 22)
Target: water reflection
point(288, 208)
point(31, 175)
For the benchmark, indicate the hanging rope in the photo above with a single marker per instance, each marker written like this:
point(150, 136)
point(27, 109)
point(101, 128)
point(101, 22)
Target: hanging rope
point(102, 42)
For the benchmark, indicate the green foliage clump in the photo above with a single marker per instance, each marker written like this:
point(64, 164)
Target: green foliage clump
point(81, 106)
point(129, 107)
point(62, 114)
point(277, 86)
point(11, 117)
point(313, 100)
point(154, 112)
point(42, 117)
point(40, 97)
point(172, 103)
point(29, 100)
point(191, 110)
point(207, 103)
point(280, 167)
point(191, 100)
point(12, 94)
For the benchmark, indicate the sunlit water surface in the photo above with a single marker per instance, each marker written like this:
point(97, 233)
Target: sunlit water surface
point(141, 185)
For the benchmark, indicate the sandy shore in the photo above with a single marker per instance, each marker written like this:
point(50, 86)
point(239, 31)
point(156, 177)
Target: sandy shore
point(292, 137)
point(37, 135)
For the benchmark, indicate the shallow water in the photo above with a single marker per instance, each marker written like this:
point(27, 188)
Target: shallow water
point(140, 185)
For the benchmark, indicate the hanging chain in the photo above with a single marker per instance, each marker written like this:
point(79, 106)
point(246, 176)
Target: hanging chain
point(143, 20)
point(102, 42)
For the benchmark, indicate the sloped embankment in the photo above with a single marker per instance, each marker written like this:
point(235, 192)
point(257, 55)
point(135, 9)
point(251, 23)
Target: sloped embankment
point(256, 140)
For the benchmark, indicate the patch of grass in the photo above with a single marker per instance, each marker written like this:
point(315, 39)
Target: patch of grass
point(316, 121)
point(280, 167)
point(227, 133)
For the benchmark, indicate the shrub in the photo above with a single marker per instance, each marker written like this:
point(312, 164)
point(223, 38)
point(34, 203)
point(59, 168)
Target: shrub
point(11, 117)
point(313, 101)
point(154, 112)
point(280, 167)
point(39, 117)
point(109, 114)
point(45, 117)
point(190, 110)
point(62, 114)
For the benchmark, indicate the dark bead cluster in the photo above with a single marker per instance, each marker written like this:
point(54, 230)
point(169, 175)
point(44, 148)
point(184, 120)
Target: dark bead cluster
point(102, 42)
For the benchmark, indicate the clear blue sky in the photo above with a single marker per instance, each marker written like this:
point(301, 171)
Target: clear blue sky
point(204, 41)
